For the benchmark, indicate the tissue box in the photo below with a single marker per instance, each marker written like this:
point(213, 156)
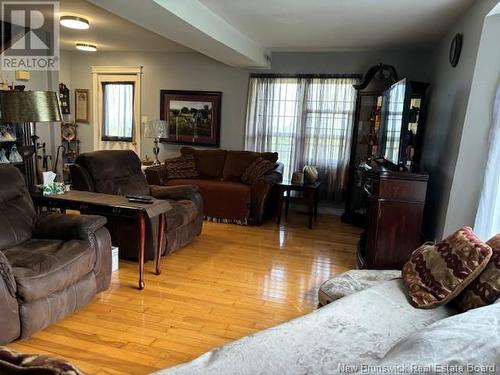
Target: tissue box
point(54, 188)
point(115, 264)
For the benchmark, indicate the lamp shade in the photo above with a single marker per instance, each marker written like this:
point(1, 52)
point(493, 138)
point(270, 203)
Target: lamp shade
point(156, 129)
point(30, 106)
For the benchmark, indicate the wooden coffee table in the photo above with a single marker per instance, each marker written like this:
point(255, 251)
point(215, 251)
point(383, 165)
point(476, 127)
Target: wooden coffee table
point(113, 205)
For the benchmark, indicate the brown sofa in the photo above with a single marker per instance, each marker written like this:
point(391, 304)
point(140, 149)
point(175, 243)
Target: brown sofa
point(225, 197)
point(50, 265)
point(119, 172)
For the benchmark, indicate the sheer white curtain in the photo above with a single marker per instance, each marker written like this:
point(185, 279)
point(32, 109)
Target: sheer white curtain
point(308, 121)
point(118, 110)
point(488, 215)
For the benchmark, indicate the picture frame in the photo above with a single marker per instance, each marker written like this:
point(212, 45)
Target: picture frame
point(82, 108)
point(193, 117)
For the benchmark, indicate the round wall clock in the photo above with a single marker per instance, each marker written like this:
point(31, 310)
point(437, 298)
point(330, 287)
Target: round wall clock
point(455, 49)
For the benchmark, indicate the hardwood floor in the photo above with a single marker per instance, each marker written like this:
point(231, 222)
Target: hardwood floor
point(230, 282)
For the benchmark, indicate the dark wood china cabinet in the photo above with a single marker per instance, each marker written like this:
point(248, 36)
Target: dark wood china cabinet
point(364, 143)
point(386, 188)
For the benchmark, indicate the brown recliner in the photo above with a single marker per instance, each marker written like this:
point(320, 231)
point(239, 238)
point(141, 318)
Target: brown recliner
point(119, 172)
point(50, 265)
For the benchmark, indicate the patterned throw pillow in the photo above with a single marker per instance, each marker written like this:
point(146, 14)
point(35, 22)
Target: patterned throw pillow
point(257, 169)
point(181, 167)
point(485, 289)
point(435, 274)
point(12, 362)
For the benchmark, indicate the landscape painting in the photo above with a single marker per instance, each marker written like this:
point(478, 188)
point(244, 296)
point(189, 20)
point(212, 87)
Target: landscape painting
point(193, 117)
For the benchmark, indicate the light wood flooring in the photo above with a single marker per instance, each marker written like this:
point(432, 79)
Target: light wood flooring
point(230, 282)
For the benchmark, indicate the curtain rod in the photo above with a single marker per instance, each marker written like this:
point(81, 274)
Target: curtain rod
point(286, 75)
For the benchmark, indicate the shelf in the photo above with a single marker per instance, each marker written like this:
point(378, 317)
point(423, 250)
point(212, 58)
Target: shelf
point(8, 141)
point(17, 163)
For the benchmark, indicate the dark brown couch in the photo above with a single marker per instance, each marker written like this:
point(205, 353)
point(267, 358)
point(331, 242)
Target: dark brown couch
point(119, 172)
point(50, 265)
point(225, 197)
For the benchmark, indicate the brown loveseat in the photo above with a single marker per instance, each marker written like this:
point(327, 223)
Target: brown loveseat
point(119, 172)
point(225, 197)
point(50, 265)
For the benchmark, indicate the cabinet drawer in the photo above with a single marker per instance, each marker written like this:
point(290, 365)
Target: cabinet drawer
point(400, 190)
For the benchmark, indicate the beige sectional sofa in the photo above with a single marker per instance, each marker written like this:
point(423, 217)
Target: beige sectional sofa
point(373, 327)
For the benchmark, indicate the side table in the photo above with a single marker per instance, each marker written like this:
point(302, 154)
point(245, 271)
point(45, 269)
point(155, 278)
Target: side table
point(310, 194)
point(113, 205)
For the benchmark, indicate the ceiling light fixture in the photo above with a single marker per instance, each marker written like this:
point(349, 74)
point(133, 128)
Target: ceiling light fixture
point(74, 22)
point(87, 47)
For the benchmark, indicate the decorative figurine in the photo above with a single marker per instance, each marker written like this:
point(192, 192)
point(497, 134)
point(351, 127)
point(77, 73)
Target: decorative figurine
point(14, 155)
point(3, 157)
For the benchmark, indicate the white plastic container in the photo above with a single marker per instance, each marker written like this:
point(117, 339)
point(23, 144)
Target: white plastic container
point(115, 264)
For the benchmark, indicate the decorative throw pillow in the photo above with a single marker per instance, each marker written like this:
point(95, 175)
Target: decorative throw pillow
point(435, 274)
point(485, 289)
point(181, 167)
point(257, 169)
point(12, 362)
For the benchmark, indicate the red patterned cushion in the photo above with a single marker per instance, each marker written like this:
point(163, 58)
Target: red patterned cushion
point(257, 169)
point(181, 167)
point(485, 289)
point(435, 274)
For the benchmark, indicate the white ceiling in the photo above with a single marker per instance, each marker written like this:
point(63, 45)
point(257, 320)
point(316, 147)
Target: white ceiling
point(302, 25)
point(244, 32)
point(110, 32)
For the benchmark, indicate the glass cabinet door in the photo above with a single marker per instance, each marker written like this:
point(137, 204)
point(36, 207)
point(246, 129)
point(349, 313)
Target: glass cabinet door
point(365, 147)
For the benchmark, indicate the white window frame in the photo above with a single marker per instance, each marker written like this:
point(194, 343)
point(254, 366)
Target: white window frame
point(102, 74)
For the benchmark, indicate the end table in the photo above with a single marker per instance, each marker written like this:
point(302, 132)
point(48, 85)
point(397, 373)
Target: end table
point(310, 194)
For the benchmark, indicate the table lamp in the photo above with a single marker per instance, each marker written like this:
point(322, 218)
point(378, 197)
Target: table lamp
point(28, 108)
point(156, 129)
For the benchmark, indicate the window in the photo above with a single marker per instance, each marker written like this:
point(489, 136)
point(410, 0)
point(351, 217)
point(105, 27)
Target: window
point(118, 111)
point(308, 121)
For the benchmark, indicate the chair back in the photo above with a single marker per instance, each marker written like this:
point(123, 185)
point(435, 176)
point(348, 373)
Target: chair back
point(17, 213)
point(110, 172)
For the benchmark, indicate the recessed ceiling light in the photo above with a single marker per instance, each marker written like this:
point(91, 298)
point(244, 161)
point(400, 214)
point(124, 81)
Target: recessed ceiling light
point(74, 22)
point(86, 47)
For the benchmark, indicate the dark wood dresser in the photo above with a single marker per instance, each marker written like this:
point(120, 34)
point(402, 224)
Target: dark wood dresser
point(395, 203)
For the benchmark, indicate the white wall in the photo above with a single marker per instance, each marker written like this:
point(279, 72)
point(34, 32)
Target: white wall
point(449, 96)
point(193, 71)
point(471, 164)
point(408, 63)
point(184, 71)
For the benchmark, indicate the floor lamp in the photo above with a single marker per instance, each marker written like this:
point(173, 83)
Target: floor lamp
point(28, 108)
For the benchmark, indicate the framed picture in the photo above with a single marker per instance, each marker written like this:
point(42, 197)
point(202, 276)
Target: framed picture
point(193, 117)
point(82, 105)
